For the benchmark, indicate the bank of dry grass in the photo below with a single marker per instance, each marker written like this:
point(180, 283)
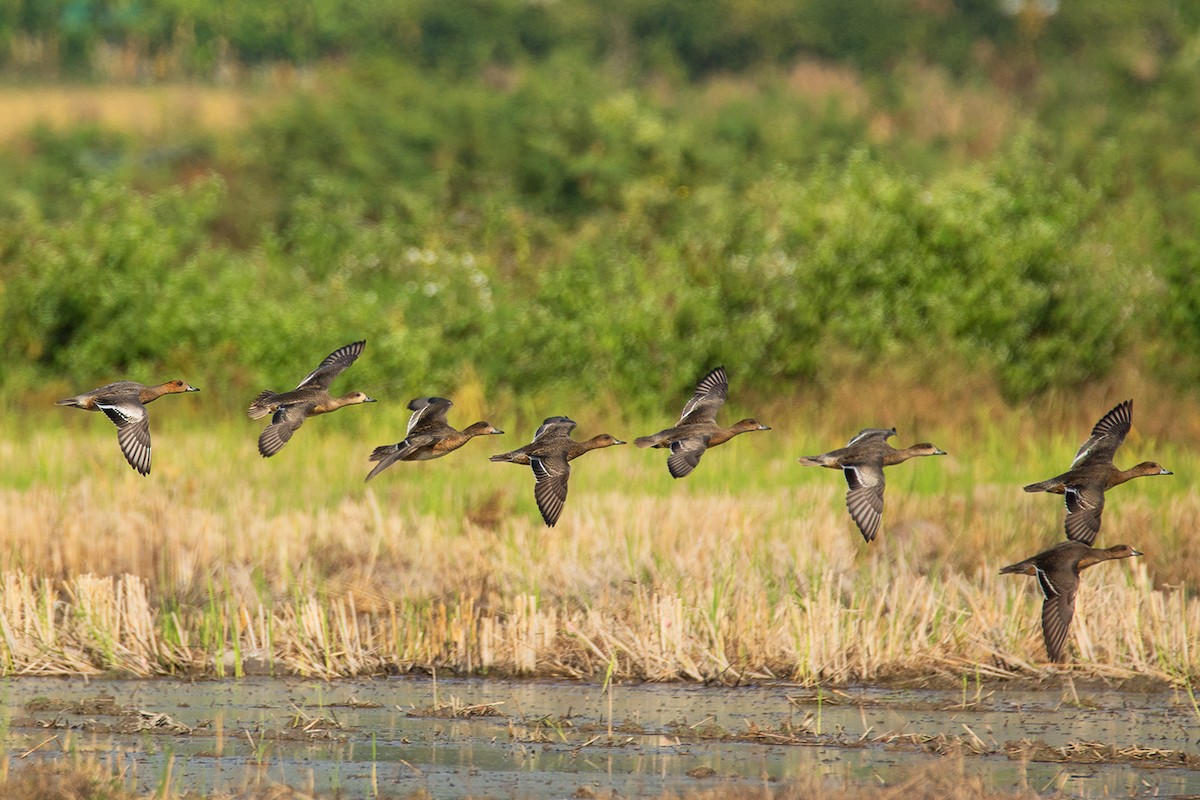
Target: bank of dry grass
point(750, 569)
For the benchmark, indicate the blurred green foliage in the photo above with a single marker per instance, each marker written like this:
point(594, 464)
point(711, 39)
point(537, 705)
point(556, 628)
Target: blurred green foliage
point(610, 198)
point(983, 265)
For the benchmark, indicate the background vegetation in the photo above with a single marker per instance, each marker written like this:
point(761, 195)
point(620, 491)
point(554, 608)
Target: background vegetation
point(972, 219)
point(604, 199)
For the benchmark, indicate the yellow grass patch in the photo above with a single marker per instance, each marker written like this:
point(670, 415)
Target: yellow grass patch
point(143, 110)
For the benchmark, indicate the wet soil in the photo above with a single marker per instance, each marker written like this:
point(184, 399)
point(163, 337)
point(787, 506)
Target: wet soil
point(538, 739)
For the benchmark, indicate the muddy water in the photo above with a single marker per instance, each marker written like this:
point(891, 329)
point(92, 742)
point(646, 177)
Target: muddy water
point(551, 739)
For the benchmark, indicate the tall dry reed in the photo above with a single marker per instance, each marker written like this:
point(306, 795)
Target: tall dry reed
point(749, 569)
point(222, 561)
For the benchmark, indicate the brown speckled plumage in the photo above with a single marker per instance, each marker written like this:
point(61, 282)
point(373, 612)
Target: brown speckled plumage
point(697, 430)
point(310, 397)
point(574, 449)
point(428, 435)
point(862, 461)
point(1057, 571)
point(1092, 473)
point(124, 402)
point(549, 455)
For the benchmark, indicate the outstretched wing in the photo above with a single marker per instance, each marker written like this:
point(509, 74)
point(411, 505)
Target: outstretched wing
point(554, 427)
point(707, 400)
point(428, 412)
point(1085, 504)
point(864, 500)
point(867, 434)
point(685, 455)
point(550, 491)
point(1058, 608)
point(1107, 435)
point(333, 365)
point(133, 429)
point(286, 421)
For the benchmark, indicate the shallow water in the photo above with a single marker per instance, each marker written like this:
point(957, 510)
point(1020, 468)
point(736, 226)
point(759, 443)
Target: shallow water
point(549, 739)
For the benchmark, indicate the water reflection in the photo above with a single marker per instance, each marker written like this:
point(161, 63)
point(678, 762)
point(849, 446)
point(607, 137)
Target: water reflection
point(548, 739)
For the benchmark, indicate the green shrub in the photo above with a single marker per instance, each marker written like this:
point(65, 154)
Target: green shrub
point(856, 260)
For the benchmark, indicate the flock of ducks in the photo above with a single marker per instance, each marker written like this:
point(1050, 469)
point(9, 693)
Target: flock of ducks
point(429, 435)
point(1092, 473)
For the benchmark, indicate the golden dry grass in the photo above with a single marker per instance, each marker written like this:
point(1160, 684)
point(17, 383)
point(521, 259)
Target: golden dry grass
point(143, 110)
point(750, 569)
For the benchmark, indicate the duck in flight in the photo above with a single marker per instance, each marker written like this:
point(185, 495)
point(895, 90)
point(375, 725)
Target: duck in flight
point(862, 461)
point(310, 397)
point(1092, 473)
point(428, 435)
point(697, 430)
point(1057, 571)
point(549, 455)
point(124, 402)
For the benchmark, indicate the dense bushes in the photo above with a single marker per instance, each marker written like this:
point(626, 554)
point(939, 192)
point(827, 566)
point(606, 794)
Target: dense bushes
point(597, 198)
point(984, 266)
point(198, 37)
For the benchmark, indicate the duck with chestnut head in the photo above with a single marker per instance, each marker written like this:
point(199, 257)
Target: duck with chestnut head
point(1057, 571)
point(311, 397)
point(124, 402)
point(1092, 473)
point(697, 430)
point(862, 461)
point(428, 435)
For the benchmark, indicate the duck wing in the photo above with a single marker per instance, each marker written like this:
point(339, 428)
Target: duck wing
point(685, 455)
point(428, 412)
point(550, 491)
point(554, 428)
point(1085, 503)
point(864, 500)
point(871, 435)
point(333, 365)
point(707, 400)
point(286, 421)
point(1059, 586)
point(133, 428)
point(1107, 435)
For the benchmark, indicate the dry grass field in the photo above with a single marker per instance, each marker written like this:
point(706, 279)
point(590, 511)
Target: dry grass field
point(142, 110)
point(222, 562)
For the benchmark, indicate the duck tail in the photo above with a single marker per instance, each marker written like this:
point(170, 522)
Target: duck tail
point(1040, 486)
point(69, 401)
point(653, 440)
point(501, 457)
point(382, 452)
point(384, 463)
point(811, 461)
point(261, 406)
